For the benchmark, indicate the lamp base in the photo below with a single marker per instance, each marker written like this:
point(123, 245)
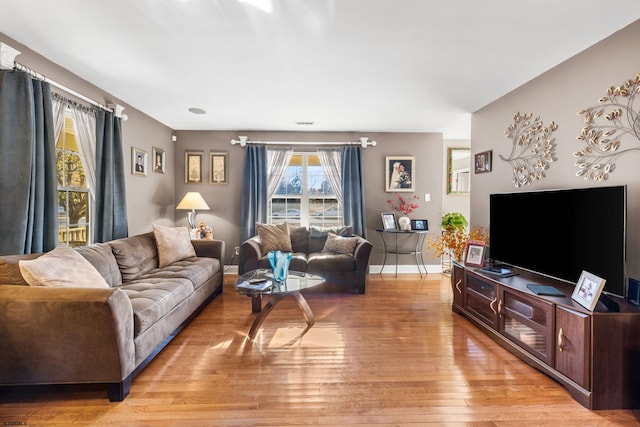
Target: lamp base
point(191, 219)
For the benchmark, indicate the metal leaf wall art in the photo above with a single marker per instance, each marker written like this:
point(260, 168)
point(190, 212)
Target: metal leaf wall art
point(614, 118)
point(534, 148)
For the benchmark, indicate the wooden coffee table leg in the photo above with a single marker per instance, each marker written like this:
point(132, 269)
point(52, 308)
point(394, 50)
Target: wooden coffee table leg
point(306, 310)
point(256, 303)
point(275, 300)
point(264, 313)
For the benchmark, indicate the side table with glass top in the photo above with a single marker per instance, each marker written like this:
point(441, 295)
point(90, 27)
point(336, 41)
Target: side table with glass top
point(256, 283)
point(404, 242)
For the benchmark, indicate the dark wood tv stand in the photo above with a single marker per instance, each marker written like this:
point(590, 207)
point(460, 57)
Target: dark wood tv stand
point(594, 355)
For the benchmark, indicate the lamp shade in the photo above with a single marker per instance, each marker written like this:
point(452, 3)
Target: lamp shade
point(193, 200)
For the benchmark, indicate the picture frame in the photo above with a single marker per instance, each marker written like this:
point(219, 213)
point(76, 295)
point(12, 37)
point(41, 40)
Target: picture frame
point(159, 160)
point(588, 289)
point(138, 162)
point(400, 174)
point(483, 162)
point(474, 253)
point(219, 168)
point(419, 225)
point(193, 167)
point(389, 221)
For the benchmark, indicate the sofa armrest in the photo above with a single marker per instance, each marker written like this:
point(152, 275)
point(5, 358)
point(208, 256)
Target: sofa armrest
point(65, 335)
point(250, 254)
point(210, 249)
point(361, 253)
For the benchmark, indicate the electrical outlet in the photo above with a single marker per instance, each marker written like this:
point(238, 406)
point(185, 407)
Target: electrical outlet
point(236, 251)
point(427, 197)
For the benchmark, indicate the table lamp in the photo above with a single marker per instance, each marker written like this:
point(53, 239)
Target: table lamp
point(192, 201)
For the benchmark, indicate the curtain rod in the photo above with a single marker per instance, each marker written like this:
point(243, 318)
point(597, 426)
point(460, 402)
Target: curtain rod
point(244, 140)
point(7, 61)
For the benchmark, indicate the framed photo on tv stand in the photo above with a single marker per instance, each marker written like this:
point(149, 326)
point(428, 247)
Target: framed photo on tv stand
point(587, 290)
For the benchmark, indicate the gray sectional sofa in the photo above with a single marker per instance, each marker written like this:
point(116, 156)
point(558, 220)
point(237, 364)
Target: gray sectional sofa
point(103, 334)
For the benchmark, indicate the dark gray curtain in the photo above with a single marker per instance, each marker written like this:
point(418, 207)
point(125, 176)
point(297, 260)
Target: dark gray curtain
point(253, 208)
point(111, 204)
point(353, 189)
point(28, 180)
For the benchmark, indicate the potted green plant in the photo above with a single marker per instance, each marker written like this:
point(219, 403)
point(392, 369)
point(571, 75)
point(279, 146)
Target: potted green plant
point(453, 220)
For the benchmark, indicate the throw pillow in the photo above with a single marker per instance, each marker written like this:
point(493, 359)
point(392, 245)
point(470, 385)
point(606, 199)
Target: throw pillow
point(174, 244)
point(274, 237)
point(61, 267)
point(321, 232)
point(340, 245)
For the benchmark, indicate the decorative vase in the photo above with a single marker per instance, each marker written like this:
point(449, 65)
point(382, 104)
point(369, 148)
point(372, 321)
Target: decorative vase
point(404, 223)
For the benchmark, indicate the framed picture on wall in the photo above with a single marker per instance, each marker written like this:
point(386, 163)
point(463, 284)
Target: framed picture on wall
point(400, 174)
point(158, 160)
point(219, 166)
point(138, 161)
point(483, 162)
point(193, 167)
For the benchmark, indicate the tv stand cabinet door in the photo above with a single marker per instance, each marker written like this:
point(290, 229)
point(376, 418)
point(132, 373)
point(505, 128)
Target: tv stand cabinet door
point(573, 345)
point(481, 299)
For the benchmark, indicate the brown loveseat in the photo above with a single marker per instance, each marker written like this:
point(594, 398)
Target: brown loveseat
point(341, 271)
point(72, 335)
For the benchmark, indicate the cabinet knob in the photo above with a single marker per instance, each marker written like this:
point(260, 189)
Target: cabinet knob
point(560, 339)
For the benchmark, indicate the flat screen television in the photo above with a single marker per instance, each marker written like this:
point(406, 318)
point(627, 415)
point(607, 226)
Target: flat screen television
point(560, 233)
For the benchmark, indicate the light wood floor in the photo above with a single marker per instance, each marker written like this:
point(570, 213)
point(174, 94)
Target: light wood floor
point(394, 356)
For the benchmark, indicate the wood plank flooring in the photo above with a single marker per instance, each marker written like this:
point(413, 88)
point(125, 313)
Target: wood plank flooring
point(392, 357)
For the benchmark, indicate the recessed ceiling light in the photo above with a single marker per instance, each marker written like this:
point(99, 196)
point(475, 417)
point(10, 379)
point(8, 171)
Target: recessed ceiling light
point(197, 110)
point(304, 123)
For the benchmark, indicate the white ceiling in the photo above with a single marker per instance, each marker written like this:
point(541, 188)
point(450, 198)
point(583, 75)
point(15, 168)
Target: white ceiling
point(346, 65)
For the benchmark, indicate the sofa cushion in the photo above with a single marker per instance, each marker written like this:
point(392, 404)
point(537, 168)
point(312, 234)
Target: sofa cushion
point(102, 258)
point(318, 236)
point(298, 262)
point(322, 262)
point(135, 255)
point(299, 239)
point(197, 270)
point(61, 267)
point(154, 297)
point(340, 245)
point(274, 237)
point(174, 244)
point(10, 269)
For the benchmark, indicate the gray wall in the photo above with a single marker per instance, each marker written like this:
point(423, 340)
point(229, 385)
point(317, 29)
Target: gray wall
point(225, 199)
point(557, 95)
point(150, 199)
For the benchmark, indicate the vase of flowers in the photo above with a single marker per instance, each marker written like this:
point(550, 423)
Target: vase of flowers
point(405, 206)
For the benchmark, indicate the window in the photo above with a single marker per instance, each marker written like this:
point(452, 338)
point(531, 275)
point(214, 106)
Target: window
point(74, 199)
point(304, 196)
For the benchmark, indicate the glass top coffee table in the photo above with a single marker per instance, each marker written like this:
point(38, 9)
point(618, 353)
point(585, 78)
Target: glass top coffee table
point(256, 283)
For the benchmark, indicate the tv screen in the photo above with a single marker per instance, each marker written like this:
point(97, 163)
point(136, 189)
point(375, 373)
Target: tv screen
point(560, 233)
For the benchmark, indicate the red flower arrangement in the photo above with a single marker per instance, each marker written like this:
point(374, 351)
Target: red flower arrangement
point(405, 206)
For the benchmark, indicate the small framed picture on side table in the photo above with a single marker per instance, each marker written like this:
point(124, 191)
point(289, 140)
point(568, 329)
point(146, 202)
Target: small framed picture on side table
point(389, 221)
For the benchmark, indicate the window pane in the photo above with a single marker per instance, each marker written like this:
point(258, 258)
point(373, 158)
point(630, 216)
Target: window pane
point(305, 197)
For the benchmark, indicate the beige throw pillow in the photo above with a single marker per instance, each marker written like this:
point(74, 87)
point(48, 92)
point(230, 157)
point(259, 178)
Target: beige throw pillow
point(274, 237)
point(174, 244)
point(61, 267)
point(340, 245)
